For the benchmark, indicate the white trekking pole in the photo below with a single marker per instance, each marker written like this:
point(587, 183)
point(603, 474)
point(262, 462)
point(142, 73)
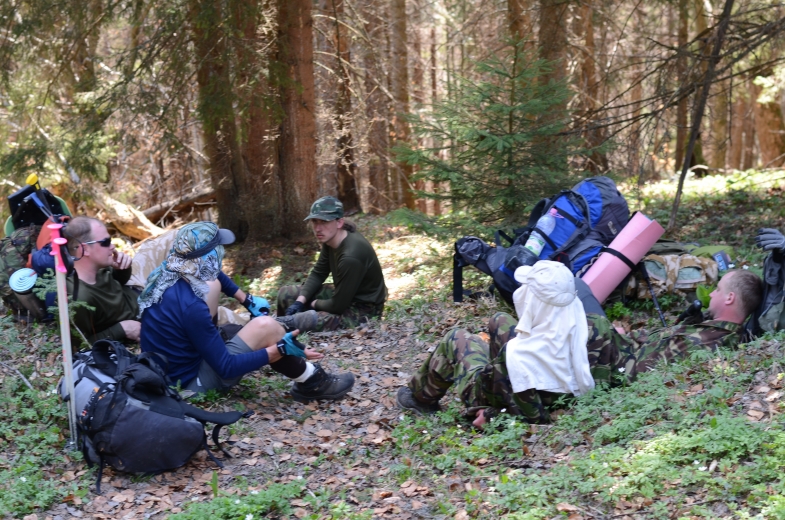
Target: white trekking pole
point(65, 329)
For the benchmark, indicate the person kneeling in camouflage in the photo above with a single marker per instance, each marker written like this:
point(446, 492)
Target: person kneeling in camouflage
point(531, 365)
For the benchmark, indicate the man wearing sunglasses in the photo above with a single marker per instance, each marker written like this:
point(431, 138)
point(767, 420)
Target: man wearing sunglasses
point(103, 272)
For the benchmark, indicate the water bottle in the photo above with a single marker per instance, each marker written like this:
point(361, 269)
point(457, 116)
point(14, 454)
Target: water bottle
point(546, 224)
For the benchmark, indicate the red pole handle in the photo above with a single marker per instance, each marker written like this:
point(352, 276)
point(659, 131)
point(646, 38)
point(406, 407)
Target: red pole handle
point(57, 241)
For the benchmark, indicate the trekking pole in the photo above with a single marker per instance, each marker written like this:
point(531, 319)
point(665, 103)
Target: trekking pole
point(645, 273)
point(65, 329)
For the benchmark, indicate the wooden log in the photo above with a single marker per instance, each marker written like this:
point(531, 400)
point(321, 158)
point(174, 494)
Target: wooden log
point(154, 213)
point(127, 220)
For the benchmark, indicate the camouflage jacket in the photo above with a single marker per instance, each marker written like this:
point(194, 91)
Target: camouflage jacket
point(673, 343)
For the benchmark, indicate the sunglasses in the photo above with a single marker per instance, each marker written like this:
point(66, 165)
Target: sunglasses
point(105, 242)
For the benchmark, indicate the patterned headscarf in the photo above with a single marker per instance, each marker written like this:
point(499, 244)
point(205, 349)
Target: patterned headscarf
point(196, 271)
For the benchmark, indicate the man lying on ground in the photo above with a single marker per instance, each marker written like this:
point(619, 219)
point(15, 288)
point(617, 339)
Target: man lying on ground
point(358, 292)
point(533, 362)
point(177, 308)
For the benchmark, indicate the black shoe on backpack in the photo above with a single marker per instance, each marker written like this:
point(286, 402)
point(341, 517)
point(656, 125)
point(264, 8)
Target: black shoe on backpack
point(406, 400)
point(322, 385)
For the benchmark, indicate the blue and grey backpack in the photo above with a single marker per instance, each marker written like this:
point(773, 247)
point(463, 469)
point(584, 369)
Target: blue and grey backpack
point(592, 214)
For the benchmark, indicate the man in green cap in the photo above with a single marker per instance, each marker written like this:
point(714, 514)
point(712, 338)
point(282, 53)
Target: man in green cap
point(358, 292)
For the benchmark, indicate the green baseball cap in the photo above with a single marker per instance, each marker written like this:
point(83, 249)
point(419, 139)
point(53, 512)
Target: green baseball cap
point(327, 208)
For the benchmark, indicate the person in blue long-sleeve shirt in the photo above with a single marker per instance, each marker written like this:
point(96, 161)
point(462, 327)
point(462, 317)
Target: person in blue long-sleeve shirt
point(177, 307)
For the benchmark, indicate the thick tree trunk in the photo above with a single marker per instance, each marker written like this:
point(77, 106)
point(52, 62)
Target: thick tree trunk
point(297, 148)
point(770, 130)
point(347, 168)
point(227, 171)
point(590, 89)
point(553, 38)
point(400, 91)
point(376, 111)
point(261, 196)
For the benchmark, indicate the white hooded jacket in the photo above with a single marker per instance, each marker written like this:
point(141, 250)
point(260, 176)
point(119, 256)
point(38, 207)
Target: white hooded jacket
point(549, 352)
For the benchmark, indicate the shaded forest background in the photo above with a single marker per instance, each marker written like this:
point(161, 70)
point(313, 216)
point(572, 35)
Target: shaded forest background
point(246, 111)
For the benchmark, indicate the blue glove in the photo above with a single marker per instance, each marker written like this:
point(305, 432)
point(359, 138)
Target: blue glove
point(256, 305)
point(289, 346)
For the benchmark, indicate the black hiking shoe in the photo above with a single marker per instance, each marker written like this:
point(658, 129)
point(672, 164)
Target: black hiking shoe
point(304, 321)
point(407, 401)
point(322, 385)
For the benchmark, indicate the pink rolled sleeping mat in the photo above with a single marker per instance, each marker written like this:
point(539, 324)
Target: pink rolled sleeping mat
point(633, 242)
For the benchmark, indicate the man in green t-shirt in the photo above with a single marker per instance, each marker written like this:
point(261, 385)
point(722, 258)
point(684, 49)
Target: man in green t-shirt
point(102, 271)
point(358, 292)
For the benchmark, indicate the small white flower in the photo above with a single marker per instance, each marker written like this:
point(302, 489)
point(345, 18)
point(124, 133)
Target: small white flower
point(341, 444)
point(604, 464)
point(254, 492)
point(503, 410)
point(23, 479)
point(696, 462)
point(237, 501)
point(425, 431)
point(621, 370)
point(512, 423)
point(249, 517)
point(702, 468)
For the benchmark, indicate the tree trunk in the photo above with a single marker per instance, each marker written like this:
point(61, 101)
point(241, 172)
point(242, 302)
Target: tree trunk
point(748, 146)
point(519, 21)
point(681, 75)
point(770, 130)
point(737, 132)
point(590, 89)
point(347, 168)
point(376, 111)
point(297, 142)
point(719, 126)
point(435, 188)
point(418, 86)
point(400, 91)
point(227, 171)
point(553, 39)
point(261, 195)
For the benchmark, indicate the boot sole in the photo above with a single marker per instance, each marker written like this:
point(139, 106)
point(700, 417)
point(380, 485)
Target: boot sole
point(300, 398)
point(415, 410)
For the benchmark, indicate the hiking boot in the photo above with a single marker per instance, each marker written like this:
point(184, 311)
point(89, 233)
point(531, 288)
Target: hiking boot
point(407, 401)
point(322, 385)
point(304, 321)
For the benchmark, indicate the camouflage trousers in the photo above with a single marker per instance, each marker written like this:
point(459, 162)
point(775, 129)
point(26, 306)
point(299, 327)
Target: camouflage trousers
point(354, 316)
point(479, 373)
point(479, 370)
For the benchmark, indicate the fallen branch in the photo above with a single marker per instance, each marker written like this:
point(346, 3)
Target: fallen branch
point(154, 213)
point(127, 220)
point(30, 386)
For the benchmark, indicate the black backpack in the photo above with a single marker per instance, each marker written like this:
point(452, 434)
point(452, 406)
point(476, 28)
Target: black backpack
point(770, 314)
point(129, 417)
point(591, 214)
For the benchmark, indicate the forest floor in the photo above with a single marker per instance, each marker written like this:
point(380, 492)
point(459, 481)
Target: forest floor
point(699, 439)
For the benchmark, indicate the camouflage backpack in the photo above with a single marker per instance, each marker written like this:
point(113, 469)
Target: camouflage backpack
point(14, 252)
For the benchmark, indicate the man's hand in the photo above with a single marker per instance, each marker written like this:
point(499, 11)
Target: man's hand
point(294, 308)
point(480, 421)
point(257, 305)
point(770, 239)
point(121, 260)
point(693, 314)
point(312, 355)
point(132, 329)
